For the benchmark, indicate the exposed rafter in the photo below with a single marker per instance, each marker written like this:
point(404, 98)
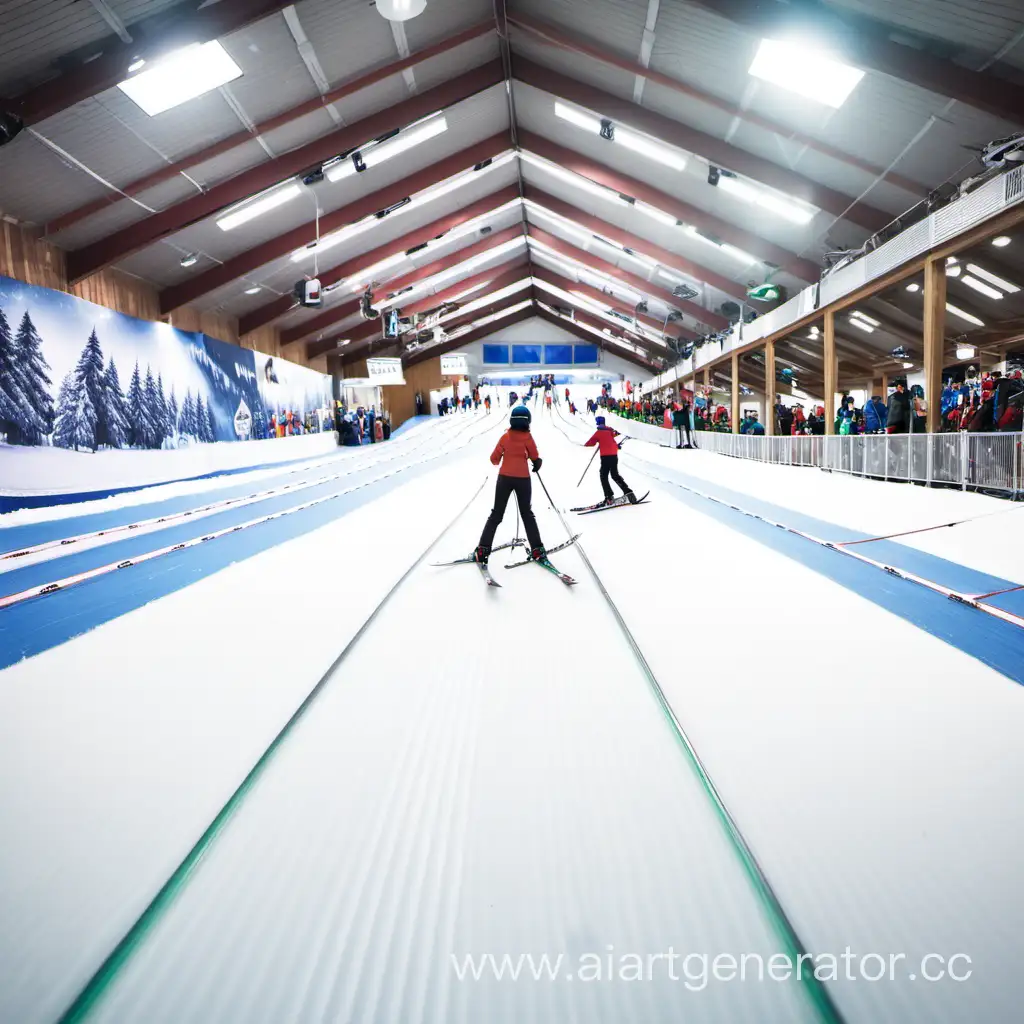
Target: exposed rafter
point(270, 311)
point(470, 336)
point(583, 318)
point(665, 257)
point(866, 43)
point(111, 66)
point(93, 257)
point(573, 251)
point(556, 36)
point(264, 127)
point(716, 151)
point(767, 251)
point(335, 314)
point(245, 262)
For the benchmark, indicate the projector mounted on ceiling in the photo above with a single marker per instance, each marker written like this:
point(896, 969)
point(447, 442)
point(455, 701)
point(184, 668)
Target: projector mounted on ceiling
point(400, 10)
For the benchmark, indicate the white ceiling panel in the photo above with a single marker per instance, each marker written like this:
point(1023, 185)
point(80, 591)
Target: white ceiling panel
point(379, 96)
point(615, 24)
point(301, 131)
point(274, 77)
point(458, 61)
point(227, 165)
point(349, 37)
point(445, 18)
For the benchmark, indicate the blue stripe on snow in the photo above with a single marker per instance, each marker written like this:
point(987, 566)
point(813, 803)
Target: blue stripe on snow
point(39, 624)
point(13, 502)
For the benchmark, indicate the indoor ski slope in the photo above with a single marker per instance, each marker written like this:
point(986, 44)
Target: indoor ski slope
point(288, 773)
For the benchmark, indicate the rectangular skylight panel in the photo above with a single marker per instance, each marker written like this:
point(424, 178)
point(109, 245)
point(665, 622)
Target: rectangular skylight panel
point(181, 76)
point(805, 70)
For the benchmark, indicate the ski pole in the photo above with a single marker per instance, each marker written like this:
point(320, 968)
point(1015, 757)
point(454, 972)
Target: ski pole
point(584, 471)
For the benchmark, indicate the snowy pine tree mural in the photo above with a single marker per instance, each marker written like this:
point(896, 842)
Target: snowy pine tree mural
point(89, 375)
point(35, 381)
point(18, 417)
point(187, 419)
point(76, 415)
point(164, 417)
point(137, 428)
point(114, 412)
point(211, 430)
point(172, 416)
point(62, 432)
point(154, 415)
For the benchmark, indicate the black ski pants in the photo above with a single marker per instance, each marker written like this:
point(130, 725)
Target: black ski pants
point(610, 468)
point(523, 488)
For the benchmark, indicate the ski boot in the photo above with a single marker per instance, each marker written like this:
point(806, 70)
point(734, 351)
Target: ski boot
point(539, 554)
point(607, 500)
point(481, 554)
point(630, 497)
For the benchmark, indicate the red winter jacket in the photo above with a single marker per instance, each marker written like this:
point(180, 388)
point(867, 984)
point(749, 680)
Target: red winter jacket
point(513, 449)
point(604, 438)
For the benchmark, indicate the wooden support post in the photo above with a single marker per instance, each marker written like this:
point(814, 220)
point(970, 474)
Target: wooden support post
point(934, 337)
point(735, 414)
point(769, 388)
point(831, 372)
point(885, 387)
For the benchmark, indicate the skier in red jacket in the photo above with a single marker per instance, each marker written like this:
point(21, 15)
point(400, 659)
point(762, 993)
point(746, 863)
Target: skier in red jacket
point(604, 438)
point(512, 452)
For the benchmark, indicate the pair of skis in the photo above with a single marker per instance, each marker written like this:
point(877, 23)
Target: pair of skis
point(602, 506)
point(544, 563)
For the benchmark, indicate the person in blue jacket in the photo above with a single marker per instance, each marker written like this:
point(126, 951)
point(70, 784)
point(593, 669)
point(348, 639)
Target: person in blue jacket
point(875, 415)
point(754, 425)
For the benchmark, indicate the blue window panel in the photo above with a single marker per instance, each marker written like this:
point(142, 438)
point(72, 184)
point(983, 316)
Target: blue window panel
point(557, 354)
point(526, 353)
point(496, 354)
point(585, 354)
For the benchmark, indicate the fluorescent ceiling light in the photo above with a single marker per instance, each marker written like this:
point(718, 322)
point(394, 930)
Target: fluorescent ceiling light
point(980, 286)
point(1001, 241)
point(253, 291)
point(189, 260)
point(378, 152)
point(964, 315)
point(908, 366)
point(913, 287)
point(578, 117)
point(369, 273)
point(674, 278)
point(784, 207)
point(181, 76)
point(330, 241)
point(738, 254)
point(987, 275)
point(863, 316)
point(136, 65)
point(503, 313)
point(860, 323)
point(806, 71)
point(469, 291)
point(577, 180)
point(658, 215)
point(257, 207)
point(633, 141)
point(647, 147)
point(966, 351)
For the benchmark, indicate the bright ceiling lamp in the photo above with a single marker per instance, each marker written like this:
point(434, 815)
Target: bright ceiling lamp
point(865, 318)
point(381, 151)
point(401, 10)
point(368, 274)
point(577, 180)
point(857, 322)
point(793, 211)
point(953, 268)
point(964, 315)
point(181, 76)
point(986, 275)
point(659, 215)
point(642, 145)
point(913, 287)
point(980, 286)
point(1001, 242)
point(805, 70)
point(257, 207)
point(966, 351)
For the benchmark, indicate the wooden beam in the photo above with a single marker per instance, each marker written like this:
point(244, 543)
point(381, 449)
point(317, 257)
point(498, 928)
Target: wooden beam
point(934, 338)
point(666, 257)
point(711, 148)
point(753, 243)
point(770, 387)
point(557, 36)
point(343, 91)
point(99, 254)
point(831, 371)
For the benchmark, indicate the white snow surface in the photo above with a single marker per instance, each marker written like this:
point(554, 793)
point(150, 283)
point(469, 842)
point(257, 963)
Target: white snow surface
point(488, 771)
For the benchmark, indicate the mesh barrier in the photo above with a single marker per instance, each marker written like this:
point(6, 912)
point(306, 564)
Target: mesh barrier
point(990, 462)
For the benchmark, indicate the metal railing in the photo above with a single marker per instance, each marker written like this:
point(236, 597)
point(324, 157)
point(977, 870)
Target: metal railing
point(990, 462)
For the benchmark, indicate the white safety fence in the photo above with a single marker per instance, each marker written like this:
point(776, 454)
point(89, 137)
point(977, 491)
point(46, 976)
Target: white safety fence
point(991, 462)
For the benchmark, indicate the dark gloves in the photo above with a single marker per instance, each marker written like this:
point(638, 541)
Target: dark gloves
point(537, 463)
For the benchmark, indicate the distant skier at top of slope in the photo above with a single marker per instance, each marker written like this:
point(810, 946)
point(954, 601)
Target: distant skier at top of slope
point(514, 450)
point(604, 438)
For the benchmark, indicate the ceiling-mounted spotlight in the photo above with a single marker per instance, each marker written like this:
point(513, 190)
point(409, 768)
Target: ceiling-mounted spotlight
point(714, 174)
point(136, 65)
point(953, 268)
point(189, 260)
point(400, 10)
point(964, 351)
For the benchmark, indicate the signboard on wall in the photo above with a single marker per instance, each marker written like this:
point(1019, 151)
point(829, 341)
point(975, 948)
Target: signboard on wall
point(454, 365)
point(385, 371)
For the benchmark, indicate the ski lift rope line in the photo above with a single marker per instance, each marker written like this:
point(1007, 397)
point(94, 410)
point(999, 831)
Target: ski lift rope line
point(824, 1006)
